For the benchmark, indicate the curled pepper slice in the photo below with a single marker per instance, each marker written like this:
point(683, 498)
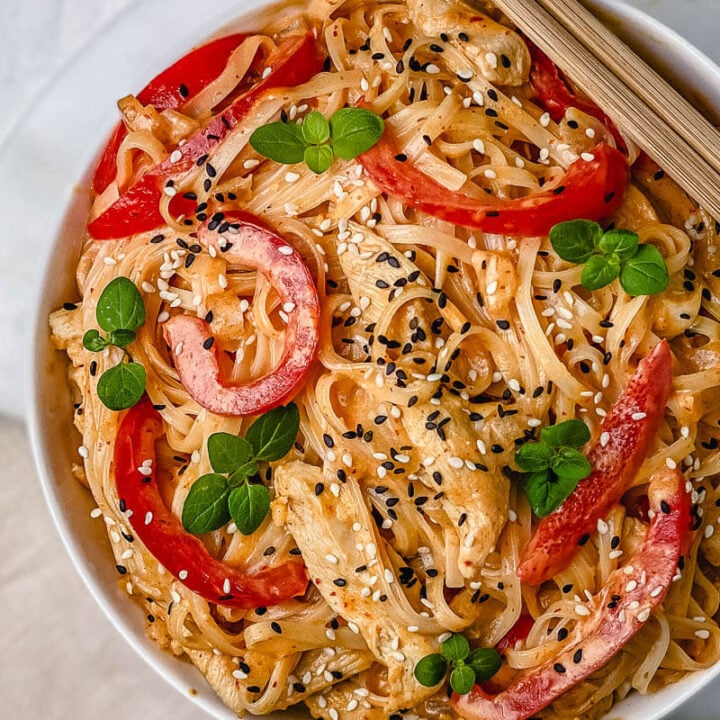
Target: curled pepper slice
point(591, 189)
point(623, 605)
point(137, 209)
point(172, 88)
point(183, 555)
point(627, 432)
point(190, 338)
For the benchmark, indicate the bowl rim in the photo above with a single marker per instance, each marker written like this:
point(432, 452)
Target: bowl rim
point(225, 11)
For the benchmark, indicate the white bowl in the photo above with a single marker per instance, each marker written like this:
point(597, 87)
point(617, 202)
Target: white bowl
point(109, 68)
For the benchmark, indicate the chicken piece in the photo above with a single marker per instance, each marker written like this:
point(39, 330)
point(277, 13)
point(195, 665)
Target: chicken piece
point(347, 562)
point(475, 500)
point(498, 52)
point(385, 266)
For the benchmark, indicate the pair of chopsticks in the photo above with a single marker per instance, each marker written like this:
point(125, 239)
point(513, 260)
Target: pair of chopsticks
point(643, 105)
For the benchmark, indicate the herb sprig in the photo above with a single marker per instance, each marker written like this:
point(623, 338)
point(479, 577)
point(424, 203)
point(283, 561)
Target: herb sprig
point(227, 493)
point(554, 465)
point(120, 312)
point(466, 668)
point(609, 254)
point(317, 141)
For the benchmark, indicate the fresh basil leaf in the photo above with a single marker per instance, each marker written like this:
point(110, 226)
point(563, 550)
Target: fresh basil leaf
point(279, 141)
point(546, 492)
point(575, 240)
point(273, 434)
point(315, 128)
point(227, 452)
point(571, 464)
point(94, 341)
point(249, 506)
point(570, 433)
point(621, 242)
point(120, 306)
point(431, 670)
point(645, 273)
point(319, 158)
point(485, 662)
point(121, 338)
point(462, 679)
point(245, 471)
point(534, 456)
point(354, 131)
point(600, 271)
point(206, 505)
point(122, 386)
point(456, 647)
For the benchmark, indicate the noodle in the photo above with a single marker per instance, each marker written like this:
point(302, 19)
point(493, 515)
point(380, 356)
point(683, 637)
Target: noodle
point(515, 343)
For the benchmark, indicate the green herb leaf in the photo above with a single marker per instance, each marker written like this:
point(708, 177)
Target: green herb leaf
point(249, 506)
point(206, 505)
point(315, 128)
point(94, 341)
point(227, 452)
point(534, 456)
point(462, 679)
point(122, 386)
point(547, 492)
point(279, 141)
point(485, 662)
point(575, 240)
point(121, 338)
point(319, 158)
point(120, 306)
point(571, 464)
point(354, 131)
point(273, 434)
point(621, 242)
point(456, 647)
point(246, 470)
point(570, 433)
point(600, 271)
point(645, 273)
point(431, 670)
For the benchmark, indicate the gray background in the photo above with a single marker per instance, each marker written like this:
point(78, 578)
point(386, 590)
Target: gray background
point(59, 657)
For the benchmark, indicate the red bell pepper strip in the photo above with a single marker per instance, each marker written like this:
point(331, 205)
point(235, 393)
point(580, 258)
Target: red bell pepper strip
point(163, 535)
point(172, 88)
point(558, 536)
point(554, 94)
point(591, 189)
point(137, 210)
point(623, 605)
point(519, 631)
point(196, 360)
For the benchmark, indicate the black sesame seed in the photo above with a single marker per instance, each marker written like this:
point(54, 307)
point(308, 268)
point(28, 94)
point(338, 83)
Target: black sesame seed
point(583, 540)
point(562, 634)
point(577, 657)
point(559, 668)
point(340, 582)
point(319, 487)
point(665, 507)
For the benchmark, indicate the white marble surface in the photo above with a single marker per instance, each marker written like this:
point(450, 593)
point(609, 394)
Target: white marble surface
point(59, 657)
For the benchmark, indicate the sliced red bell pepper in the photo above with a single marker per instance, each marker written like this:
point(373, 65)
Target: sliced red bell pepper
point(172, 88)
point(191, 341)
point(183, 555)
point(137, 210)
point(554, 94)
point(629, 428)
point(623, 605)
point(591, 189)
point(519, 631)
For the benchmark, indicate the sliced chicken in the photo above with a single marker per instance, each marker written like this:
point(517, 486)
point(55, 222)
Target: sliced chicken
point(498, 52)
point(347, 562)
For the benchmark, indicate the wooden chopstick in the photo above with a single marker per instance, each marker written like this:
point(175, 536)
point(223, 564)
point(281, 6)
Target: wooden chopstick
point(664, 99)
point(663, 140)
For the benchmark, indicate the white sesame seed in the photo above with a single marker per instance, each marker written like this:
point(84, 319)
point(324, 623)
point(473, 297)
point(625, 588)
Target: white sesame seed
point(643, 615)
point(639, 416)
point(455, 462)
point(95, 513)
point(702, 634)
point(434, 377)
point(615, 554)
point(335, 489)
point(656, 592)
point(491, 59)
point(183, 574)
point(512, 515)
point(239, 674)
point(170, 191)
point(371, 549)
point(631, 586)
point(432, 69)
point(545, 119)
point(331, 559)
point(330, 634)
point(602, 527)
point(534, 422)
point(582, 610)
point(491, 288)
point(490, 174)
point(333, 714)
point(587, 157)
point(685, 431)
point(175, 156)
point(83, 451)
point(709, 531)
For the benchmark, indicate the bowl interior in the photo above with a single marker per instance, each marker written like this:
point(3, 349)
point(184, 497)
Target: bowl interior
point(55, 441)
